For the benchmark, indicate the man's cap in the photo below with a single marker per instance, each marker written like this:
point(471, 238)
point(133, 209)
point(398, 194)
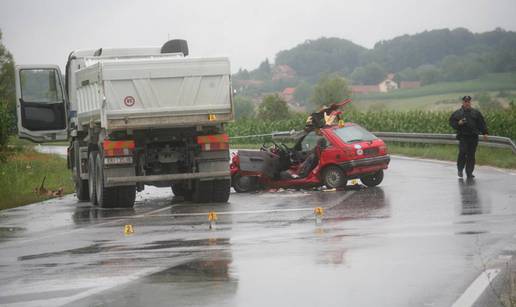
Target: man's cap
point(466, 98)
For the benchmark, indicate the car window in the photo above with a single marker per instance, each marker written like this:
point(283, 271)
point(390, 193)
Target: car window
point(310, 141)
point(355, 133)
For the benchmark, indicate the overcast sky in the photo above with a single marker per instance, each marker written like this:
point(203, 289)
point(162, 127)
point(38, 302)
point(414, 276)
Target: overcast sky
point(44, 32)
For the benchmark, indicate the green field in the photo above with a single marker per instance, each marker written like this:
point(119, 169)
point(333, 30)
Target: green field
point(440, 96)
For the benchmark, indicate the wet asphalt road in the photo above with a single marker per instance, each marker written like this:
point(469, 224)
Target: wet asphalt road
point(422, 238)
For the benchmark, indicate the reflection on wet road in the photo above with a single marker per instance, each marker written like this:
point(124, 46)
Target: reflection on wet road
point(420, 239)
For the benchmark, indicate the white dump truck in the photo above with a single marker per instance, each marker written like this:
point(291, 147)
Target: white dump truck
point(134, 117)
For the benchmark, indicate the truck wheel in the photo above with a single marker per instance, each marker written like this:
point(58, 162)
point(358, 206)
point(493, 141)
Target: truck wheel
point(243, 184)
point(221, 190)
point(81, 186)
point(112, 197)
point(203, 191)
point(181, 190)
point(373, 180)
point(92, 157)
point(106, 197)
point(126, 196)
point(333, 177)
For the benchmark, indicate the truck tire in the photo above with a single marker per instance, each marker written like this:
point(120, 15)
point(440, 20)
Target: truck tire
point(203, 191)
point(372, 180)
point(112, 197)
point(81, 186)
point(181, 190)
point(221, 190)
point(333, 177)
point(92, 158)
point(126, 196)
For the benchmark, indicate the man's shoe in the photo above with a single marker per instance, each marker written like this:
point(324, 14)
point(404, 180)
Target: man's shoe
point(459, 173)
point(470, 176)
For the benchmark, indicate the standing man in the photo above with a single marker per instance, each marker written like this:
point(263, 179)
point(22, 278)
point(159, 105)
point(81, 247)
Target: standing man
point(469, 124)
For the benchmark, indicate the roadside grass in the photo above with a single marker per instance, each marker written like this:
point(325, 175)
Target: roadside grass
point(503, 158)
point(24, 170)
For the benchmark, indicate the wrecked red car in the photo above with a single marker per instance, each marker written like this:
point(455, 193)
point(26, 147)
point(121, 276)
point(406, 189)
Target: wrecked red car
point(329, 155)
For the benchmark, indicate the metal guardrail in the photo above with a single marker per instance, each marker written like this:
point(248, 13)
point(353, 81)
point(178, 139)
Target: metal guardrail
point(425, 138)
point(435, 138)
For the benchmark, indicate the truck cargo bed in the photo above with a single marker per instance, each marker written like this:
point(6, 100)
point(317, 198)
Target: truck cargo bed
point(157, 92)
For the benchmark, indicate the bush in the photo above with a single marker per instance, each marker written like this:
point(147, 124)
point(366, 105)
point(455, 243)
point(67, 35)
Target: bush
point(5, 123)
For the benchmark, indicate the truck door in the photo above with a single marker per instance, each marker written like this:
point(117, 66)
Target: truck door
point(41, 103)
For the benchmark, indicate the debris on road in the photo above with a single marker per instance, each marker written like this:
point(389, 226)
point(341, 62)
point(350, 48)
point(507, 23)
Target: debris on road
point(42, 191)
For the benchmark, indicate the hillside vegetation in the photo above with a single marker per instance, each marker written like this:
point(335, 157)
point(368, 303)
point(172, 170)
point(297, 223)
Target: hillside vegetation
point(440, 59)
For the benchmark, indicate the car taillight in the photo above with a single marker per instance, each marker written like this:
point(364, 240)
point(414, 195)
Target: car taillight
point(213, 142)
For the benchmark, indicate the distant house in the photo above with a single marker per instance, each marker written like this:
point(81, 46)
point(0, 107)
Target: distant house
point(288, 94)
point(410, 84)
point(364, 89)
point(388, 84)
point(283, 72)
point(385, 86)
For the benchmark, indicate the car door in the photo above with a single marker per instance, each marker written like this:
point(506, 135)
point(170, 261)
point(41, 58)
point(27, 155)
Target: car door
point(41, 103)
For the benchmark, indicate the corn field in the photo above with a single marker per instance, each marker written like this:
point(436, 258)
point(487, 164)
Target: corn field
point(500, 123)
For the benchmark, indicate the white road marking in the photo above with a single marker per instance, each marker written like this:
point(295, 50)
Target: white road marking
point(157, 210)
point(473, 292)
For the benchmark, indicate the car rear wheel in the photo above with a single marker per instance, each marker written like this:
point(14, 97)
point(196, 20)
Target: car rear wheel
point(243, 184)
point(333, 177)
point(372, 180)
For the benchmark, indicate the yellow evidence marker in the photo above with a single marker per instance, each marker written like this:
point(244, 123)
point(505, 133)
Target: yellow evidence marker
point(128, 229)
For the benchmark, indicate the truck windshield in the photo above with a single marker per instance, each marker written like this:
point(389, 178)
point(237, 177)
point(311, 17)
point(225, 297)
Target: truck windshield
point(352, 134)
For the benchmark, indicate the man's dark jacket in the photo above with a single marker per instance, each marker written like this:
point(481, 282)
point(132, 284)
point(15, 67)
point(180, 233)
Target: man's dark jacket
point(474, 125)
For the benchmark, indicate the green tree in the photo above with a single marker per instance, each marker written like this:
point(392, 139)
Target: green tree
point(244, 107)
point(428, 74)
point(7, 93)
point(273, 108)
point(330, 89)
point(303, 93)
point(372, 73)
point(263, 72)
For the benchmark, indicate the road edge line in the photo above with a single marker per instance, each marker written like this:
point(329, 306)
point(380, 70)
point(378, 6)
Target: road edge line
point(477, 287)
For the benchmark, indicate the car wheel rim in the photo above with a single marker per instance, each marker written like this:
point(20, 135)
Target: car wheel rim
point(333, 178)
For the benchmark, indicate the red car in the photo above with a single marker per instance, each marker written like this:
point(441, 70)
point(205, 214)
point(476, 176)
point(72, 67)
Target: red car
point(337, 154)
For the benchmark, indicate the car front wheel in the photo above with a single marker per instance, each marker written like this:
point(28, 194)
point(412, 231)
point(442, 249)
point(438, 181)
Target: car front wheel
point(333, 177)
point(243, 184)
